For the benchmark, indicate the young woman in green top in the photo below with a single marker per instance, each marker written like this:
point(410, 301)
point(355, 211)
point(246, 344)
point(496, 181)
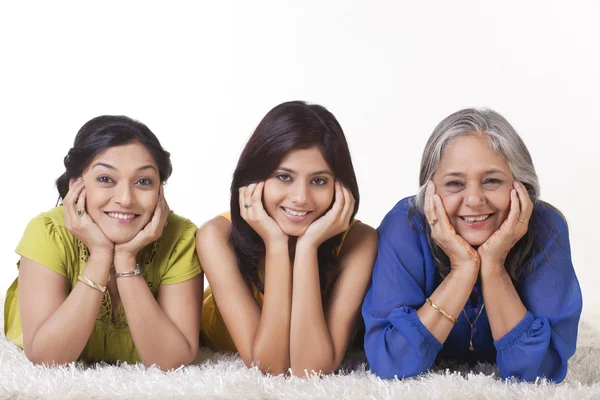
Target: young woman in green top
point(111, 274)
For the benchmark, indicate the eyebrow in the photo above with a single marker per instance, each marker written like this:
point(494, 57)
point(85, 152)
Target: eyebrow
point(487, 172)
point(321, 172)
point(101, 164)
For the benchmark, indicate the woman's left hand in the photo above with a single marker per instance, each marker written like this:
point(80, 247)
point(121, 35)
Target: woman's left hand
point(497, 247)
point(151, 232)
point(334, 222)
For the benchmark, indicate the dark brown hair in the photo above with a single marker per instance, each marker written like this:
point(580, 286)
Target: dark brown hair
point(289, 126)
point(100, 133)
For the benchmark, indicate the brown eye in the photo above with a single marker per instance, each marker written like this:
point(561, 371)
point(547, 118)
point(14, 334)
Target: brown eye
point(104, 179)
point(144, 182)
point(283, 177)
point(319, 181)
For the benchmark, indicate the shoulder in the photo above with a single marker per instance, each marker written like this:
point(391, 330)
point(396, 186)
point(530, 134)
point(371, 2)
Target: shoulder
point(403, 220)
point(359, 233)
point(178, 228)
point(213, 231)
point(547, 222)
point(48, 224)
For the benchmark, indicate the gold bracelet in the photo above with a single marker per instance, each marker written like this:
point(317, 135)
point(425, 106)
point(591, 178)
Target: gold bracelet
point(91, 283)
point(444, 313)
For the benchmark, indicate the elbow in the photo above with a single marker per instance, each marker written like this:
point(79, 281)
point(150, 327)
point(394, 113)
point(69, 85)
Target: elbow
point(314, 365)
point(170, 364)
point(46, 360)
point(398, 370)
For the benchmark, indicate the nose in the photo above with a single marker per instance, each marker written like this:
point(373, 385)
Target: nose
point(298, 192)
point(474, 195)
point(124, 194)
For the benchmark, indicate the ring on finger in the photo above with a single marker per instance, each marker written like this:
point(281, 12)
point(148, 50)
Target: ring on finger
point(246, 205)
point(524, 220)
point(433, 222)
point(80, 212)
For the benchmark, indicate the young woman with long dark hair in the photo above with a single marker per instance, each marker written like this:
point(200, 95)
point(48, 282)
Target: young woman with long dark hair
point(288, 267)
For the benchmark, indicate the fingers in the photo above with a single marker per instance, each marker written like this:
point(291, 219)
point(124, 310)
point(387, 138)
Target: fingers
point(348, 204)
point(75, 188)
point(429, 208)
point(515, 209)
point(340, 200)
point(525, 204)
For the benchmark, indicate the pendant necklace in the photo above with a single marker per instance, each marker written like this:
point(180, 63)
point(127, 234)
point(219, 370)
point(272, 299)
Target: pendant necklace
point(472, 325)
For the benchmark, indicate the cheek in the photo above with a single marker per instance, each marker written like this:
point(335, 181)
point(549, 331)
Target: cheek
point(271, 195)
point(501, 201)
point(452, 202)
point(148, 200)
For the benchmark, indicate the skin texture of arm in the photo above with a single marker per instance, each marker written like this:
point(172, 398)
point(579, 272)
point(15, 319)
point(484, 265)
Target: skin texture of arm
point(504, 306)
point(57, 324)
point(452, 294)
point(165, 330)
point(261, 337)
point(321, 333)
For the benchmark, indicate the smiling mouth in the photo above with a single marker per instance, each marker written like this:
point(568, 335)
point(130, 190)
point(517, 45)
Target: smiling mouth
point(124, 217)
point(295, 213)
point(478, 218)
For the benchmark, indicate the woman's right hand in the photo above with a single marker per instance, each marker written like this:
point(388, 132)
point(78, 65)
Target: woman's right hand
point(460, 253)
point(253, 212)
point(81, 225)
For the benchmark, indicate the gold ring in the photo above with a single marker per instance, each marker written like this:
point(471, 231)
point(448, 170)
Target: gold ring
point(522, 220)
point(80, 212)
point(433, 222)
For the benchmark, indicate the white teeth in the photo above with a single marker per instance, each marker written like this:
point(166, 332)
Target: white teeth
point(295, 213)
point(476, 219)
point(121, 216)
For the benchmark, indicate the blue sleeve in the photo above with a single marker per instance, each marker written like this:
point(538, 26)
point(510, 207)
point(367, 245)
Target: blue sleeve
point(542, 343)
point(396, 341)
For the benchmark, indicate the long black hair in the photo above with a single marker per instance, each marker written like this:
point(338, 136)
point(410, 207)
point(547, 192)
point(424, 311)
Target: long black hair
point(100, 133)
point(289, 126)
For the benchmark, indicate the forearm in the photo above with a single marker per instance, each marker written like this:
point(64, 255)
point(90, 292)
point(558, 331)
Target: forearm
point(271, 346)
point(502, 302)
point(157, 339)
point(451, 296)
point(311, 346)
point(63, 336)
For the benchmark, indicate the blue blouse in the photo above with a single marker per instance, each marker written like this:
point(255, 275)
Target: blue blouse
point(405, 274)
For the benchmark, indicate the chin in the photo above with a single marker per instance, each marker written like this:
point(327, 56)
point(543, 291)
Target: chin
point(120, 238)
point(476, 240)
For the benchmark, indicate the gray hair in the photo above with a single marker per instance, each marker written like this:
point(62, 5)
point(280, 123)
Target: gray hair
point(502, 138)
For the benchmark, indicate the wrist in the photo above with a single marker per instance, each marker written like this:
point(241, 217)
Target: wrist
point(276, 245)
point(467, 271)
point(103, 258)
point(306, 244)
point(124, 261)
point(492, 269)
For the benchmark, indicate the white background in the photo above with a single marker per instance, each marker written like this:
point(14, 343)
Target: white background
point(202, 75)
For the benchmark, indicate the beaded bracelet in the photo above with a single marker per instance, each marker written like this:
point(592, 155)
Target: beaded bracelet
point(438, 309)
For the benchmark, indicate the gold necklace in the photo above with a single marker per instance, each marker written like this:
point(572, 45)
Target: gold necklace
point(471, 324)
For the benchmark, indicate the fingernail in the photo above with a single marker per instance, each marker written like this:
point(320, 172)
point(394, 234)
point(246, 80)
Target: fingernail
point(517, 184)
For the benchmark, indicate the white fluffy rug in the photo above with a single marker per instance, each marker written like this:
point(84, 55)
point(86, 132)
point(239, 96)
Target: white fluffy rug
point(217, 376)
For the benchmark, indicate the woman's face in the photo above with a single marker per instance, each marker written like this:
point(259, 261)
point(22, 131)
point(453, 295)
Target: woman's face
point(474, 183)
point(122, 186)
point(299, 191)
